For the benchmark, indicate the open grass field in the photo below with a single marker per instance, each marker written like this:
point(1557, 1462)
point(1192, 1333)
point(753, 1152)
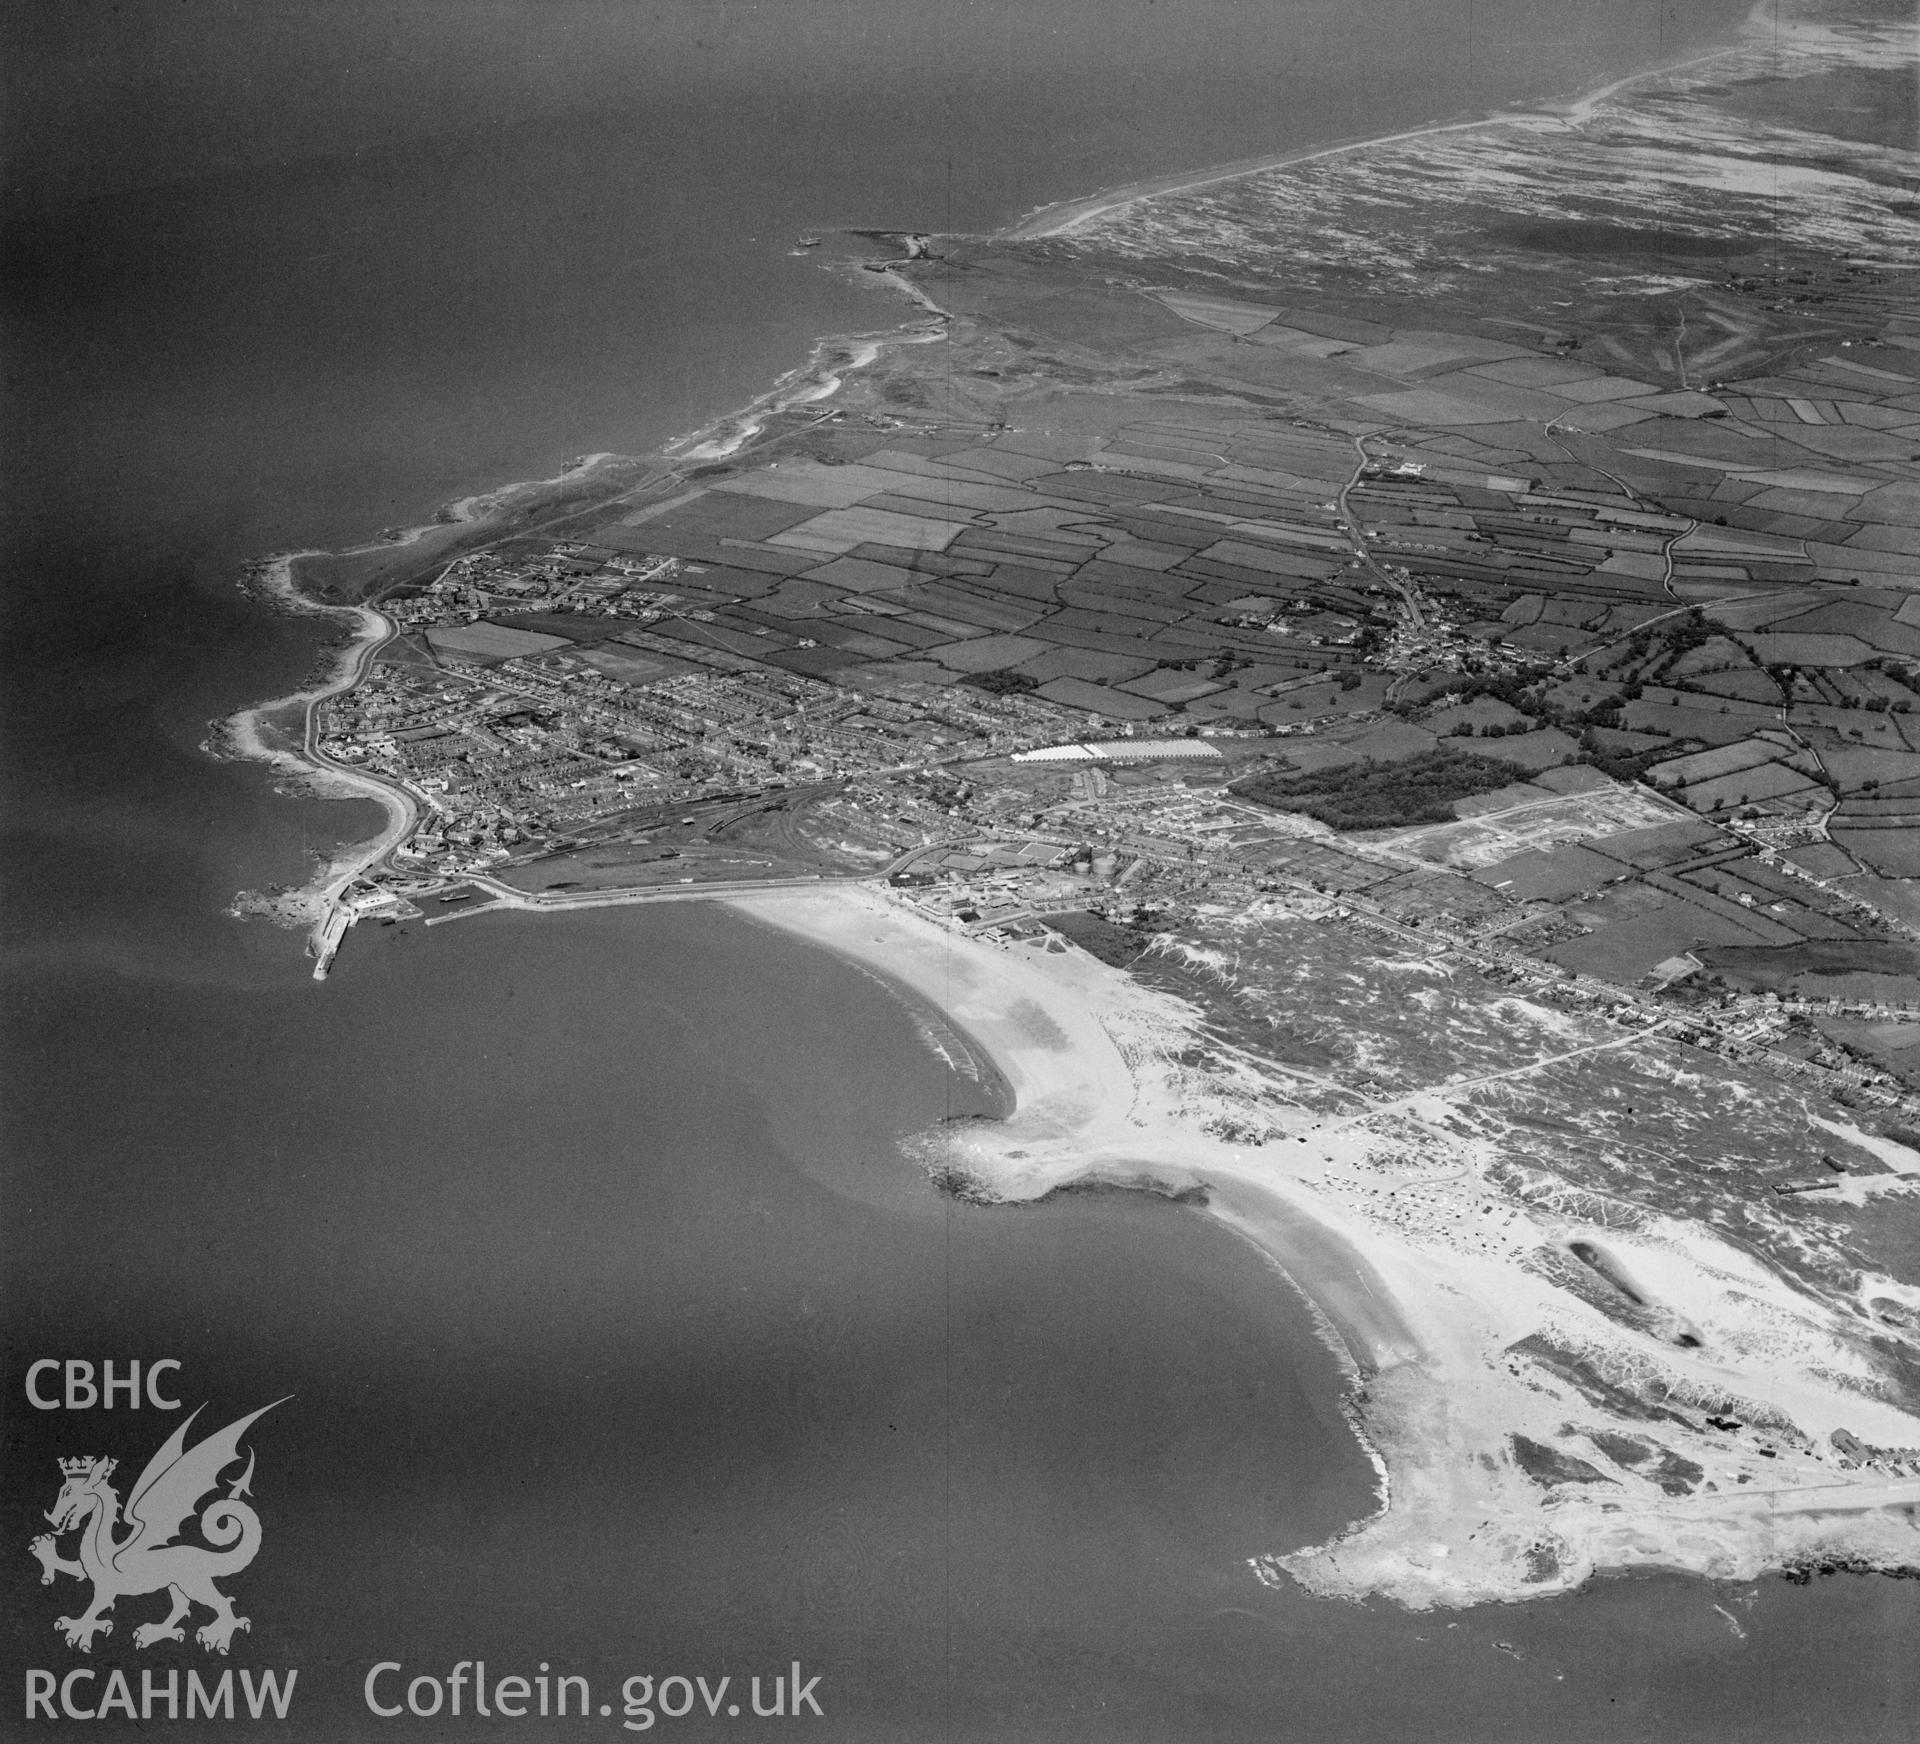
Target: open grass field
point(1077, 693)
point(1763, 781)
point(1894, 853)
point(1722, 760)
point(1625, 949)
point(1748, 683)
point(988, 653)
point(1851, 766)
point(1784, 649)
point(487, 642)
point(1549, 874)
point(1870, 969)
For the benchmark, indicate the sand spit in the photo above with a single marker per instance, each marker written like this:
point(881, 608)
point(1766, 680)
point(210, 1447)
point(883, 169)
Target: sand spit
point(1068, 216)
point(1525, 1438)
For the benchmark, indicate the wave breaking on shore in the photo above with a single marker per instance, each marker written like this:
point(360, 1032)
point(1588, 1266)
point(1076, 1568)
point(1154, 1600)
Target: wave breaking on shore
point(1468, 1362)
point(821, 377)
point(274, 732)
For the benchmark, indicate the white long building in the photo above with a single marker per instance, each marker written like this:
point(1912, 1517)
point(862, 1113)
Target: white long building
point(1125, 751)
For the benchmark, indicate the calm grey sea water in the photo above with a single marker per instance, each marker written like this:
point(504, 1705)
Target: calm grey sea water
point(621, 1336)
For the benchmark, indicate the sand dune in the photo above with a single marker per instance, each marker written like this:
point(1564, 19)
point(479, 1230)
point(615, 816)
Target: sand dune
point(1425, 1306)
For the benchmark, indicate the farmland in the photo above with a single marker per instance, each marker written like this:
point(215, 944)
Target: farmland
point(1453, 643)
point(1580, 600)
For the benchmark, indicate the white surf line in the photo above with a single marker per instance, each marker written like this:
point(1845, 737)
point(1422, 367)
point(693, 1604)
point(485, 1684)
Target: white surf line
point(811, 382)
point(1081, 212)
point(1072, 215)
point(1759, 22)
point(403, 813)
point(478, 506)
point(246, 726)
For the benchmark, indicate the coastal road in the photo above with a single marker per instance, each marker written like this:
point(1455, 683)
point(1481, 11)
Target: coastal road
point(691, 891)
point(403, 813)
point(506, 897)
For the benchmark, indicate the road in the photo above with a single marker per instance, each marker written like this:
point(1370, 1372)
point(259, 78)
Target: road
point(1679, 611)
point(1816, 1498)
point(1355, 532)
point(403, 812)
point(1453, 1086)
point(549, 902)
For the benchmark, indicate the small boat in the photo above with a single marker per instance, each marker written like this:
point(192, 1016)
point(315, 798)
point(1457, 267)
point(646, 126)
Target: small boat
point(808, 242)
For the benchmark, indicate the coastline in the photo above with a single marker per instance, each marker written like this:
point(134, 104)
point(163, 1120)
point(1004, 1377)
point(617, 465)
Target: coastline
point(832, 359)
point(1435, 1341)
point(819, 378)
point(250, 732)
point(1063, 217)
point(1089, 1059)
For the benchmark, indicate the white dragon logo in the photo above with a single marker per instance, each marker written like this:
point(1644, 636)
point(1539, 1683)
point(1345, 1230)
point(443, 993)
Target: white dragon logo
point(146, 1559)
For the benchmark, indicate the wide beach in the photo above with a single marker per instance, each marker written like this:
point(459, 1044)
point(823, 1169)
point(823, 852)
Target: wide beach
point(619, 1330)
point(1432, 1335)
point(1082, 1048)
point(1064, 217)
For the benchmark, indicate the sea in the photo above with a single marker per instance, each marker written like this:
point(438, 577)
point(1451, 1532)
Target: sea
point(608, 1327)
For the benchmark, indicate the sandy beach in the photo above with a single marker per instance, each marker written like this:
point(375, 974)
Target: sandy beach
point(1063, 218)
point(1479, 1354)
point(1068, 216)
point(1426, 1319)
point(280, 735)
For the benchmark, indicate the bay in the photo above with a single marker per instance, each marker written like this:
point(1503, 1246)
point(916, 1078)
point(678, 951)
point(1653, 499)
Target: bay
point(619, 1331)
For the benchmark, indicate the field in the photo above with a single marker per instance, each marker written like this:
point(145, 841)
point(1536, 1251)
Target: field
point(485, 641)
point(1851, 969)
point(1894, 853)
point(1271, 459)
point(1763, 781)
